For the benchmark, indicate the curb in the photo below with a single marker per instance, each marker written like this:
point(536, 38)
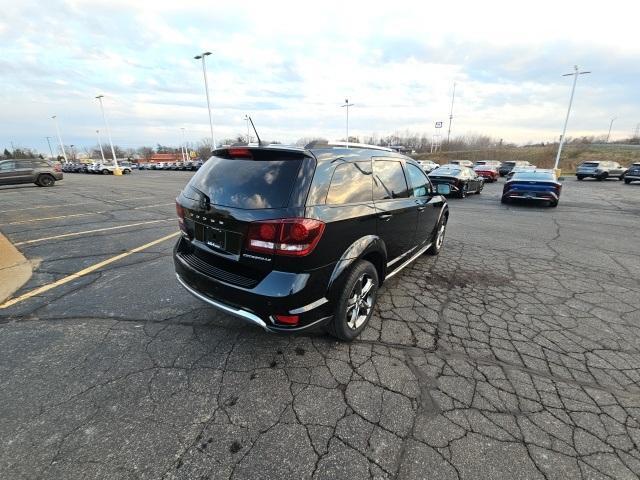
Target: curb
point(15, 269)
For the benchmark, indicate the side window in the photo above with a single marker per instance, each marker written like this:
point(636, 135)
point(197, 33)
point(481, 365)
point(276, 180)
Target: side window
point(351, 183)
point(24, 164)
point(388, 180)
point(5, 166)
point(419, 182)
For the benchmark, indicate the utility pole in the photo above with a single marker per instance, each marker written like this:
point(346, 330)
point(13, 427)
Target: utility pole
point(453, 97)
point(104, 160)
point(576, 72)
point(64, 154)
point(610, 125)
point(206, 89)
point(50, 149)
point(347, 104)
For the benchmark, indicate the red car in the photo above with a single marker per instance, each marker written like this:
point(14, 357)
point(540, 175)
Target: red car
point(488, 172)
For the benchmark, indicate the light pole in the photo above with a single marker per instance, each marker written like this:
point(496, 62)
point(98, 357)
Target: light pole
point(104, 160)
point(453, 97)
point(576, 72)
point(73, 155)
point(246, 119)
point(64, 154)
point(610, 125)
point(206, 89)
point(49, 143)
point(116, 170)
point(347, 104)
point(183, 147)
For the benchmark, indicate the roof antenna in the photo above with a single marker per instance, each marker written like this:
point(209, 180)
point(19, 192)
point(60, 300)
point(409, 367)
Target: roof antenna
point(254, 129)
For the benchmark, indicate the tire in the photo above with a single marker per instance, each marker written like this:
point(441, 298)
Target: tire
point(479, 189)
point(504, 200)
point(620, 178)
point(553, 204)
point(438, 237)
point(627, 181)
point(602, 177)
point(463, 191)
point(580, 178)
point(126, 171)
point(347, 323)
point(105, 172)
point(45, 180)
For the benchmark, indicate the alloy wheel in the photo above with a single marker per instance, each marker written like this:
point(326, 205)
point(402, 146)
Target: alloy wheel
point(360, 301)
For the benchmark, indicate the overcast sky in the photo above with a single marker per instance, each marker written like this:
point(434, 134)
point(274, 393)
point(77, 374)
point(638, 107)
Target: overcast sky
point(291, 64)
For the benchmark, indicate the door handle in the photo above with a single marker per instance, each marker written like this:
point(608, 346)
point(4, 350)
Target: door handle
point(385, 217)
point(421, 208)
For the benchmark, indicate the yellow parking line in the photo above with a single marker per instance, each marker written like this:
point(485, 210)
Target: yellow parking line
point(81, 273)
point(65, 235)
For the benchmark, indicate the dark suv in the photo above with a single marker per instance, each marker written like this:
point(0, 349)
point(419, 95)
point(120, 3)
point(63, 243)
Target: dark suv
point(31, 170)
point(291, 238)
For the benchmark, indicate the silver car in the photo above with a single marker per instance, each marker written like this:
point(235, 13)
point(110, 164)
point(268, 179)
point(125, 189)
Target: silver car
point(600, 170)
point(40, 172)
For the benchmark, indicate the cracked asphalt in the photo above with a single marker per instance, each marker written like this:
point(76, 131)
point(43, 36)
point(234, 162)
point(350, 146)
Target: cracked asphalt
point(514, 354)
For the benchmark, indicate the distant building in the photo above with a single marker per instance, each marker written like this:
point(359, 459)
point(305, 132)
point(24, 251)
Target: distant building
point(162, 157)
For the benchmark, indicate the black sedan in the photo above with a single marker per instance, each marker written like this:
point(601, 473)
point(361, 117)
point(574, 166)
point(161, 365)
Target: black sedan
point(462, 180)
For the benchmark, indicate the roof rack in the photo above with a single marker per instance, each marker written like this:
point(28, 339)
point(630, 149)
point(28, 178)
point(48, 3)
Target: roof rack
point(359, 145)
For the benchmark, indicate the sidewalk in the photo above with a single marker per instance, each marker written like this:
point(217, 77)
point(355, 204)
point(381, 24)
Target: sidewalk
point(15, 270)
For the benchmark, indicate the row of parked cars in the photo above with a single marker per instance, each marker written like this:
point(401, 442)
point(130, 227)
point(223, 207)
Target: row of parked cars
point(190, 165)
point(490, 170)
point(97, 167)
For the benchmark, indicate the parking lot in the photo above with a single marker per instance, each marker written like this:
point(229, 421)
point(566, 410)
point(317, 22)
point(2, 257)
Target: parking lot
point(514, 354)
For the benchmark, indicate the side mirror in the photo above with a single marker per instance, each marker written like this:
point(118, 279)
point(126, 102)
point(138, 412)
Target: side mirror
point(443, 189)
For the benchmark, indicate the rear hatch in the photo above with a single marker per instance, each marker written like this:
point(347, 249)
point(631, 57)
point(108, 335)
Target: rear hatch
point(535, 188)
point(588, 167)
point(233, 206)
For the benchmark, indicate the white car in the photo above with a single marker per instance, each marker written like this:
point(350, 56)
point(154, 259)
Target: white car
point(108, 168)
point(428, 165)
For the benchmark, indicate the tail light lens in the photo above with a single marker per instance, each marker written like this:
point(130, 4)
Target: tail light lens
point(287, 319)
point(287, 236)
point(180, 212)
point(57, 167)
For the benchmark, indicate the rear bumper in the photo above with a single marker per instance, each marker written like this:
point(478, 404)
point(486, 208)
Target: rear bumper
point(284, 293)
point(536, 196)
point(58, 175)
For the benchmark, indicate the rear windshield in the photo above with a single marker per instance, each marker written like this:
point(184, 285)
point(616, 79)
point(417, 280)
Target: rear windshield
point(531, 176)
point(247, 183)
point(589, 164)
point(448, 171)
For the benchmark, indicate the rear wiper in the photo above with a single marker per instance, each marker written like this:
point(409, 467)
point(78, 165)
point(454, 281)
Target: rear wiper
point(205, 201)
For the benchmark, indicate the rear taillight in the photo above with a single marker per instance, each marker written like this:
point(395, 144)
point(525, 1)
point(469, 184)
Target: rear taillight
point(287, 319)
point(57, 167)
point(180, 212)
point(286, 236)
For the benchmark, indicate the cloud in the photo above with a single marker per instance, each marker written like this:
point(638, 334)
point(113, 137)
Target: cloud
point(290, 66)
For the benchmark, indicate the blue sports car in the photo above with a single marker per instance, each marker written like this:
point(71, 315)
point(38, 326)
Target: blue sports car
point(535, 185)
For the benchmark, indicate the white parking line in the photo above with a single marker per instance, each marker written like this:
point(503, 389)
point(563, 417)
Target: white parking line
point(66, 235)
point(81, 273)
point(58, 217)
point(74, 204)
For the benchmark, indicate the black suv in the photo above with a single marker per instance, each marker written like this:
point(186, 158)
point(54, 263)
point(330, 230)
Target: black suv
point(292, 238)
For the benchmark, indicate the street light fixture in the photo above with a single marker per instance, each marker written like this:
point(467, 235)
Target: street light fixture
point(104, 160)
point(576, 72)
point(116, 170)
point(206, 89)
point(610, 125)
point(64, 154)
point(347, 104)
